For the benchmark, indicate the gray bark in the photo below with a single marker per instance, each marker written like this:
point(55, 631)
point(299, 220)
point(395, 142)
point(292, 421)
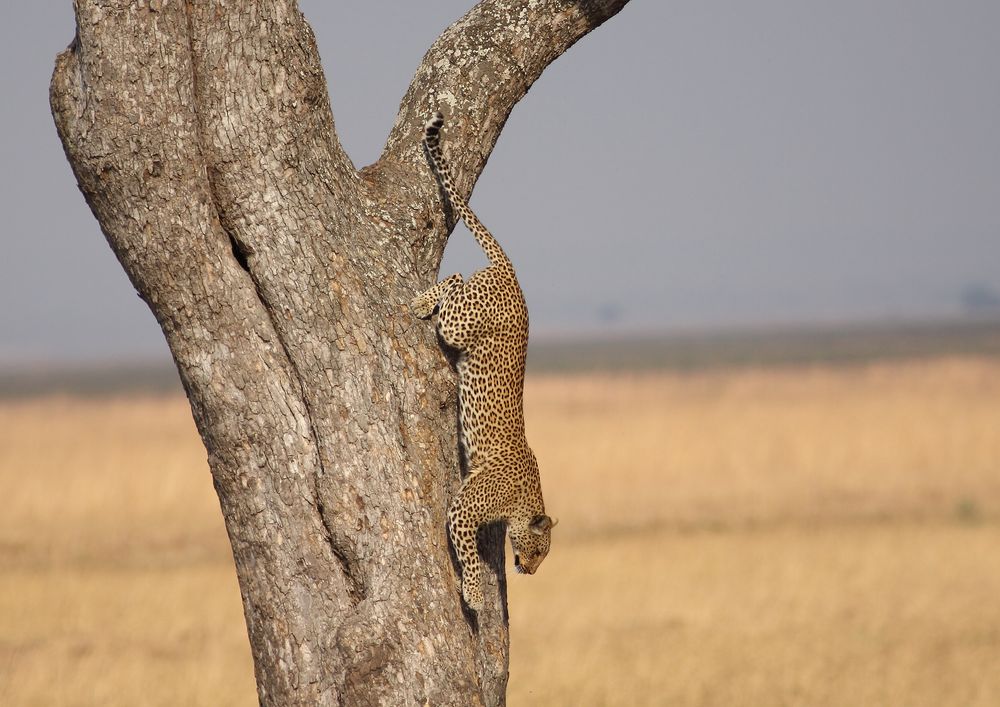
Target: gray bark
point(202, 138)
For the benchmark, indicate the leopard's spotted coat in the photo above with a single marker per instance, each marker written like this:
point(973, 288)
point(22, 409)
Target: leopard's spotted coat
point(485, 321)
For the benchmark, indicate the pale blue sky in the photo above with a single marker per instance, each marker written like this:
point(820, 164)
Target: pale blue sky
point(689, 164)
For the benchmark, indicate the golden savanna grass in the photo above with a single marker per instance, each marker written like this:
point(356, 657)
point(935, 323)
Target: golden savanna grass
point(798, 536)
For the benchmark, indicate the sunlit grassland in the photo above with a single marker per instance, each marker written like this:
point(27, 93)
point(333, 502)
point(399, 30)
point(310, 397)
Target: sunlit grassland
point(781, 536)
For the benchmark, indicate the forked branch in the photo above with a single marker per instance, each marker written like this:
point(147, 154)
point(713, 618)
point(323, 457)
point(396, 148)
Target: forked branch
point(480, 67)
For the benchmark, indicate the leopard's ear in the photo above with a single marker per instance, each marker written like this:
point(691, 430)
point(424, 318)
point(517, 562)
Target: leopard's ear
point(539, 524)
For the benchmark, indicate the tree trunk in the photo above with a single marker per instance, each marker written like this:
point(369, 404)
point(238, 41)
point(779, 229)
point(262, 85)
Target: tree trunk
point(201, 136)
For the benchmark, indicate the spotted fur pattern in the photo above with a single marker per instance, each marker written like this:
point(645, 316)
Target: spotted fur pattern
point(486, 321)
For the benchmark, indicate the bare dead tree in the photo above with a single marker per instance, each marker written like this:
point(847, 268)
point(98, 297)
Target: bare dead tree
point(202, 138)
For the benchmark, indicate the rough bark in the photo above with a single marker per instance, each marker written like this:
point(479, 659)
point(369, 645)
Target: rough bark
point(201, 136)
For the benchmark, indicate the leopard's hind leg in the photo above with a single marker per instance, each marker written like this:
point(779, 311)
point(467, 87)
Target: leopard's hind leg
point(424, 304)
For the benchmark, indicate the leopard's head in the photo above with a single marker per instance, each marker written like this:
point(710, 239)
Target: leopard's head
point(530, 540)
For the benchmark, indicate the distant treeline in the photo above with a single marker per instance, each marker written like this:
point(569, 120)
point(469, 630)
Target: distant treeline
point(802, 345)
point(154, 378)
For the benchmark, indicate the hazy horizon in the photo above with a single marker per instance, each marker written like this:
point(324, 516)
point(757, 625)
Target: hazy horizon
point(685, 167)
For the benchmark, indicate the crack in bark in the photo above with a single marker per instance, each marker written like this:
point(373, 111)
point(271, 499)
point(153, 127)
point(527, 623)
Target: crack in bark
point(348, 564)
point(356, 589)
point(240, 251)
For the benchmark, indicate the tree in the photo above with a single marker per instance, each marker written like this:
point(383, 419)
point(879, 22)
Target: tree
point(202, 138)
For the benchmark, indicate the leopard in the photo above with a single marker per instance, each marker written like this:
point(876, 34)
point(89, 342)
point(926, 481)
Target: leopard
point(484, 322)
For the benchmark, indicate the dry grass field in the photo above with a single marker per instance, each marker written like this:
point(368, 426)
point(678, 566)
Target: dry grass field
point(790, 536)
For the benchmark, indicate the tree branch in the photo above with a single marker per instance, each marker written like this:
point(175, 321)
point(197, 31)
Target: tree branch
point(480, 67)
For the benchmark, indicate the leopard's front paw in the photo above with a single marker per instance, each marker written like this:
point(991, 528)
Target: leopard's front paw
point(472, 592)
point(422, 307)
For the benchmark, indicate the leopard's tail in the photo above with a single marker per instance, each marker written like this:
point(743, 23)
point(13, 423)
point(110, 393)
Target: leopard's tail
point(432, 142)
